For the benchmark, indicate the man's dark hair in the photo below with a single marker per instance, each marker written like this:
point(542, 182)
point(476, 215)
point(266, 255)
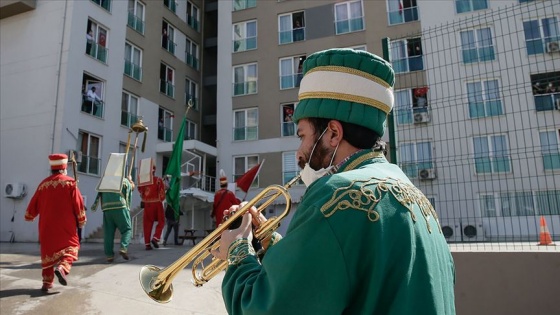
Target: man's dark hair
point(53, 172)
point(358, 136)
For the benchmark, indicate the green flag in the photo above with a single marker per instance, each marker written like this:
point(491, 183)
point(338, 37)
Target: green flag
point(174, 169)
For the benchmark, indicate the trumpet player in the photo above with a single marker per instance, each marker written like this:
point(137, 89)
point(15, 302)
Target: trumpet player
point(364, 239)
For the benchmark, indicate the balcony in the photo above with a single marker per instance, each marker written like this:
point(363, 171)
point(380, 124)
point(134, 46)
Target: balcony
point(91, 107)
point(11, 8)
point(193, 23)
point(133, 70)
point(245, 88)
point(135, 23)
point(290, 36)
point(248, 43)
point(191, 60)
point(97, 51)
point(89, 165)
point(167, 88)
point(171, 5)
point(245, 133)
point(128, 119)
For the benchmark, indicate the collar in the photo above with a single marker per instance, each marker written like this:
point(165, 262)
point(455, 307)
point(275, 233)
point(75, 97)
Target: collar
point(355, 159)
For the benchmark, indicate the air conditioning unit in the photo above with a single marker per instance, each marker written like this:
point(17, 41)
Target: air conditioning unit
point(15, 190)
point(471, 230)
point(552, 47)
point(427, 173)
point(451, 230)
point(420, 118)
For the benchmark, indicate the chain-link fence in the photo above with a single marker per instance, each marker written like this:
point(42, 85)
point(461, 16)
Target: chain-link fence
point(477, 122)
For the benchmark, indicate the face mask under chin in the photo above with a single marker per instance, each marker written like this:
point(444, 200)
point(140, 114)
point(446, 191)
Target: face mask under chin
point(308, 174)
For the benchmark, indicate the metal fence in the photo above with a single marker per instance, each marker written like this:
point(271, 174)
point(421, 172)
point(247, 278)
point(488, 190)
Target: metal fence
point(477, 122)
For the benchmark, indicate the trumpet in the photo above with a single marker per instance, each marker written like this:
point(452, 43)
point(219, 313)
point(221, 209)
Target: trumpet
point(157, 282)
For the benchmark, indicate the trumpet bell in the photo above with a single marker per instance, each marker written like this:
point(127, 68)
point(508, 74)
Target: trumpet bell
point(156, 291)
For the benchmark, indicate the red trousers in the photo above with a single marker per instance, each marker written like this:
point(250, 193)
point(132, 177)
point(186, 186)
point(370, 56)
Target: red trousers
point(153, 211)
point(48, 273)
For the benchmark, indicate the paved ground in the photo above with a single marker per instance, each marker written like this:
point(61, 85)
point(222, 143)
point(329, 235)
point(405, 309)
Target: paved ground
point(95, 287)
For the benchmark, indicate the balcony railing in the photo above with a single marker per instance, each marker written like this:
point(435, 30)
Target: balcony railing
point(244, 88)
point(105, 4)
point(191, 60)
point(89, 165)
point(193, 22)
point(245, 133)
point(290, 81)
point(128, 119)
point(167, 87)
point(350, 25)
point(97, 51)
point(135, 22)
point(248, 43)
point(94, 108)
point(169, 45)
point(290, 36)
point(171, 5)
point(133, 70)
point(165, 134)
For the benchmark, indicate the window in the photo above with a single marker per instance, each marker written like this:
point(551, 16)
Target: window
point(550, 149)
point(546, 90)
point(539, 34)
point(171, 5)
point(410, 102)
point(193, 16)
point(491, 154)
point(168, 37)
point(292, 27)
point(288, 125)
point(416, 157)
point(191, 93)
point(520, 203)
point(167, 79)
point(96, 41)
point(243, 4)
point(191, 54)
point(245, 80)
point(244, 36)
point(133, 61)
point(484, 99)
point(241, 164)
point(165, 125)
point(290, 168)
point(136, 15)
point(245, 124)
point(129, 109)
point(406, 55)
point(89, 146)
point(92, 95)
point(105, 4)
point(402, 11)
point(463, 6)
point(190, 130)
point(477, 45)
point(291, 72)
point(348, 17)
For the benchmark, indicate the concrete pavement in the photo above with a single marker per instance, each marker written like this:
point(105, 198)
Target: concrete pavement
point(96, 287)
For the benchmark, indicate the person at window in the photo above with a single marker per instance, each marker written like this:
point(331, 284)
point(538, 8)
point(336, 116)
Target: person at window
point(164, 41)
point(89, 41)
point(288, 122)
point(537, 88)
point(298, 32)
point(60, 207)
point(360, 216)
point(550, 88)
point(95, 100)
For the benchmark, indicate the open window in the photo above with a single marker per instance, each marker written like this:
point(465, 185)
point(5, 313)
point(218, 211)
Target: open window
point(93, 90)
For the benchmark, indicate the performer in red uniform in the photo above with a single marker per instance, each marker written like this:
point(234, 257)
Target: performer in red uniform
point(223, 199)
point(60, 205)
point(153, 196)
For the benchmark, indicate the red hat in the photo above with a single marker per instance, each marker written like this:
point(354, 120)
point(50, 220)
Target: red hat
point(58, 161)
point(223, 177)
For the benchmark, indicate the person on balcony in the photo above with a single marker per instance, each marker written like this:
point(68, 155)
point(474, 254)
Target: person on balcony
point(95, 100)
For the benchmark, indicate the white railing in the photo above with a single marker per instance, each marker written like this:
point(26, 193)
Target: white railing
point(134, 223)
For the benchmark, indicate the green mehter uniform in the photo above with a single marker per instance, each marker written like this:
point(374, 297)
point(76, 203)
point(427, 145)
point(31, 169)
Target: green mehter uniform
point(363, 240)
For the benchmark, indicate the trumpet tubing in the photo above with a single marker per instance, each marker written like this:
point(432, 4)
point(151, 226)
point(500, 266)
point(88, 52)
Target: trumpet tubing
point(157, 283)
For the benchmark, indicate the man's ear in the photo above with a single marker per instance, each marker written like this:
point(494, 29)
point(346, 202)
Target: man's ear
point(336, 132)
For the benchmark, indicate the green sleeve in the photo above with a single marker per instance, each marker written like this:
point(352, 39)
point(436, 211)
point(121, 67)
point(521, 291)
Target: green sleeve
point(287, 282)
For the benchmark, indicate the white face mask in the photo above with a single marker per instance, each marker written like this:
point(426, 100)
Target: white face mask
point(309, 175)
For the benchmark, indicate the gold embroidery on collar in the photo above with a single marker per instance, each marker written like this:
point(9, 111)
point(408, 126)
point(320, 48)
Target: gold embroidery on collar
point(371, 191)
point(371, 155)
point(55, 183)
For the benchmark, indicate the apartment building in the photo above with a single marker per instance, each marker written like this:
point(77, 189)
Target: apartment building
point(76, 75)
point(466, 72)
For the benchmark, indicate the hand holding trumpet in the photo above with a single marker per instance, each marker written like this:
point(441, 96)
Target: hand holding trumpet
point(253, 216)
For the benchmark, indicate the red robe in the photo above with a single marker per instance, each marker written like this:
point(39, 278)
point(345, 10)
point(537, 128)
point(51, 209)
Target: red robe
point(60, 205)
point(223, 199)
point(153, 195)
